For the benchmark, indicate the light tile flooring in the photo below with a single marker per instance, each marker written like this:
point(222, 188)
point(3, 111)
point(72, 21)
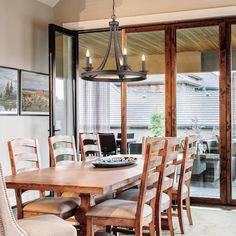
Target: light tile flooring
point(208, 222)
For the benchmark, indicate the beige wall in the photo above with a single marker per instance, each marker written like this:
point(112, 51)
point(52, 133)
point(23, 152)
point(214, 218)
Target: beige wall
point(80, 10)
point(23, 37)
point(24, 44)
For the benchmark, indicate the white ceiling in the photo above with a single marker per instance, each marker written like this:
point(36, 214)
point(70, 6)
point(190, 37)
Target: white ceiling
point(50, 3)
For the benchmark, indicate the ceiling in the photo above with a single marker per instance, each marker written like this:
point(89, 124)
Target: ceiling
point(201, 39)
point(51, 3)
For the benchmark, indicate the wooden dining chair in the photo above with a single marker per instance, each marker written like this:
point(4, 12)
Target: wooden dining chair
point(149, 139)
point(181, 190)
point(90, 146)
point(62, 150)
point(167, 175)
point(47, 225)
point(133, 214)
point(24, 156)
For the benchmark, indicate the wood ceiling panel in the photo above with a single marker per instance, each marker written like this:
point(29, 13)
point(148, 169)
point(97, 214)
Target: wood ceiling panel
point(199, 39)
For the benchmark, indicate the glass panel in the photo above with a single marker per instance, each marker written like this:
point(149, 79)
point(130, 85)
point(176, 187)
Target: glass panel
point(146, 99)
point(63, 99)
point(233, 111)
point(99, 103)
point(198, 103)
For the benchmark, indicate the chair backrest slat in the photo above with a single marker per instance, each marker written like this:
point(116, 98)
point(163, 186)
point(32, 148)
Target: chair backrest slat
point(190, 147)
point(153, 178)
point(90, 146)
point(171, 154)
point(167, 184)
point(62, 149)
point(26, 157)
point(150, 194)
point(146, 140)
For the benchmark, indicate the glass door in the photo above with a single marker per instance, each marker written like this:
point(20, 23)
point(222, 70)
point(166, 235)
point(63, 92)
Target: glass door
point(198, 103)
point(63, 54)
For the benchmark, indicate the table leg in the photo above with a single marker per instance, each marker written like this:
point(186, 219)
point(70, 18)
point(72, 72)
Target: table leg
point(87, 201)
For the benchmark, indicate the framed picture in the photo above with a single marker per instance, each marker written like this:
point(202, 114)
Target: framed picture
point(8, 91)
point(34, 93)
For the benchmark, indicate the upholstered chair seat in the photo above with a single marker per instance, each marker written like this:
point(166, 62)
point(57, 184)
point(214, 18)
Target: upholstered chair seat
point(47, 225)
point(122, 209)
point(133, 194)
point(63, 207)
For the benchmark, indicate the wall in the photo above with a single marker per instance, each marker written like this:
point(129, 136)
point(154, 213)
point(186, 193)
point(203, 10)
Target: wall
point(24, 44)
point(81, 10)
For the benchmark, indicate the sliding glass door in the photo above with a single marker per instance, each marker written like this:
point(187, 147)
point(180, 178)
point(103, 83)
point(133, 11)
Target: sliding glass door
point(63, 63)
point(197, 103)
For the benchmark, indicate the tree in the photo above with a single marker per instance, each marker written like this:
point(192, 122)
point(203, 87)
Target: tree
point(11, 90)
point(7, 90)
point(157, 124)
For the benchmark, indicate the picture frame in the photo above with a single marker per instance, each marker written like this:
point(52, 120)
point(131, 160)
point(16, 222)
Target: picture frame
point(9, 91)
point(34, 96)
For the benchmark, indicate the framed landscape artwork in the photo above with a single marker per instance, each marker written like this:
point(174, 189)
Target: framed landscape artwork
point(34, 93)
point(8, 91)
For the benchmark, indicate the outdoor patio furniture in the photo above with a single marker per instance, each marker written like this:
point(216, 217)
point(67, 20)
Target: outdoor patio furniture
point(108, 143)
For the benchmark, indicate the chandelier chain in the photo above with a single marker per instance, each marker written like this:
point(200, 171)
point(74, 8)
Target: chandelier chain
point(113, 10)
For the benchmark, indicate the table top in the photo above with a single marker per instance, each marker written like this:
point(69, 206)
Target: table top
point(81, 178)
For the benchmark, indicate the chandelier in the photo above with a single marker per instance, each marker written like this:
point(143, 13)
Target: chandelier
point(122, 71)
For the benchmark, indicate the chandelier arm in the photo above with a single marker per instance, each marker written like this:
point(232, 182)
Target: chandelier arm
point(120, 49)
point(116, 49)
point(102, 65)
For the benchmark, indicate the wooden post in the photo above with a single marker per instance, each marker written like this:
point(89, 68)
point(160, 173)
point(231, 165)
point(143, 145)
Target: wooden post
point(225, 113)
point(170, 82)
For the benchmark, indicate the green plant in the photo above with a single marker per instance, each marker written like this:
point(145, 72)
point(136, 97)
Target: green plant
point(157, 124)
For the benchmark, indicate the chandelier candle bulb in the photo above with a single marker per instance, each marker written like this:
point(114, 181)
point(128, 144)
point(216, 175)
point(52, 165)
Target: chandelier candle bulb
point(125, 57)
point(143, 63)
point(87, 58)
point(121, 62)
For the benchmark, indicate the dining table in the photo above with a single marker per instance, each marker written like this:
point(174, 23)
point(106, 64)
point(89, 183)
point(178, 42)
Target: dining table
point(81, 178)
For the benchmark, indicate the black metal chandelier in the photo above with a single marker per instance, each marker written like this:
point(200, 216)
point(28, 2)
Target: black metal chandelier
point(122, 72)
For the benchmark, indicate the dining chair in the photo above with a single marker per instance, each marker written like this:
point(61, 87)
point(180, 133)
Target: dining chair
point(107, 143)
point(47, 225)
point(62, 150)
point(149, 139)
point(90, 146)
point(133, 214)
point(24, 156)
point(167, 175)
point(181, 190)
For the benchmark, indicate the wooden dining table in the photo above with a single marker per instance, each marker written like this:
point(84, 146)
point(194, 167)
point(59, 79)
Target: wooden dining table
point(81, 178)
